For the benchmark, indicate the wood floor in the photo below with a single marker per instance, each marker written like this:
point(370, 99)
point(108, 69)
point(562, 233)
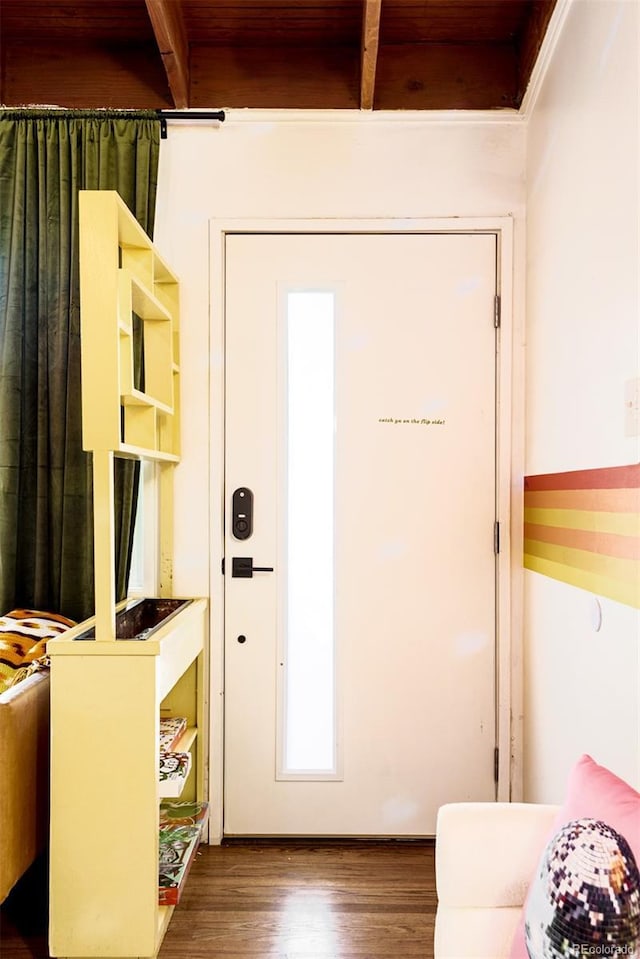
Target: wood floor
point(284, 900)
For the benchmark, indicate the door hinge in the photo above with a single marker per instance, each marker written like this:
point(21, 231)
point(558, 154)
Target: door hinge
point(496, 537)
point(496, 764)
point(497, 311)
point(223, 565)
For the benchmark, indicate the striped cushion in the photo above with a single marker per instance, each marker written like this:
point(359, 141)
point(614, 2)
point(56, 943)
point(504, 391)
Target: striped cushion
point(23, 641)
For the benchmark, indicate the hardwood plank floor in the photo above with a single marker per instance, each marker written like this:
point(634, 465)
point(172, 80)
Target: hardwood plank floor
point(300, 900)
point(288, 900)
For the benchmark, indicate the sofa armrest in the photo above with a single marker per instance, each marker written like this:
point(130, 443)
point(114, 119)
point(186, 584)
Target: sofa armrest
point(24, 776)
point(486, 853)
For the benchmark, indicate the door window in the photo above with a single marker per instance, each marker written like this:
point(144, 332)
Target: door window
point(307, 699)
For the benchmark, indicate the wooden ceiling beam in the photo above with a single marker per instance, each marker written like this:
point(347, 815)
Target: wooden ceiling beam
point(171, 36)
point(369, 52)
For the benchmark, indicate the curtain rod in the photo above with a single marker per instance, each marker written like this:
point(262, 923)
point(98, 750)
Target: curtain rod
point(40, 112)
point(165, 115)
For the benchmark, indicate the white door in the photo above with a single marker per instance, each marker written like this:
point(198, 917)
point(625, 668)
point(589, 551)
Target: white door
point(360, 422)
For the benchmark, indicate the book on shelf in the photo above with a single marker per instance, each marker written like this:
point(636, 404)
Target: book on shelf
point(174, 769)
point(181, 826)
point(171, 729)
point(178, 846)
point(184, 814)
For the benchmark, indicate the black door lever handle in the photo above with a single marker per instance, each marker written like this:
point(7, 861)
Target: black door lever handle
point(242, 567)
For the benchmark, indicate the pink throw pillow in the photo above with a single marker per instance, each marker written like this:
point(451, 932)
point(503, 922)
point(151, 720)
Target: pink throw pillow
point(593, 792)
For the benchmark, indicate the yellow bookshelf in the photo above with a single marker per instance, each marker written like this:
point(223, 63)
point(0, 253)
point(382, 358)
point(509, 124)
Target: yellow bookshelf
point(108, 687)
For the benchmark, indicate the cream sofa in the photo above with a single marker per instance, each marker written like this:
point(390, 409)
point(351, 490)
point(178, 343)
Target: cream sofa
point(24, 776)
point(486, 854)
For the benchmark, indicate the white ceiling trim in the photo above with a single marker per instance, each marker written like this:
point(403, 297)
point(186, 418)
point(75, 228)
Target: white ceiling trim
point(545, 56)
point(416, 117)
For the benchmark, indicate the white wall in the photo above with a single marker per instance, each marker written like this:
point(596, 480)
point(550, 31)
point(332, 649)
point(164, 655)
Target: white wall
point(582, 687)
point(254, 166)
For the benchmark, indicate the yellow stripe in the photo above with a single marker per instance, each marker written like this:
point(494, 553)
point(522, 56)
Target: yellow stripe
point(623, 570)
point(625, 524)
point(628, 593)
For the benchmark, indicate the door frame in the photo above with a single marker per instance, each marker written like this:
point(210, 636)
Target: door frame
point(509, 471)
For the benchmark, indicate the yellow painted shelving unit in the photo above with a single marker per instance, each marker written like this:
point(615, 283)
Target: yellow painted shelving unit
point(108, 691)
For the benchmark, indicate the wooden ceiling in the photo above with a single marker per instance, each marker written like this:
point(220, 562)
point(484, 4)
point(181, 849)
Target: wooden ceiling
point(304, 54)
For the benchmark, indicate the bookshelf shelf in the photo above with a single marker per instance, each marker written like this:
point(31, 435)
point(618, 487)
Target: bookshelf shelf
point(187, 740)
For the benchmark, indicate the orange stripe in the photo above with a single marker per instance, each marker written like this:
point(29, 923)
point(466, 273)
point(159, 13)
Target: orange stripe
point(600, 500)
point(613, 477)
point(605, 544)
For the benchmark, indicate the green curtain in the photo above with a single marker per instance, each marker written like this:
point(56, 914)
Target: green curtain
point(46, 502)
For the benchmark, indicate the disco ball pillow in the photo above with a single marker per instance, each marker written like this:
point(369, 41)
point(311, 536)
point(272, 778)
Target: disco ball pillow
point(585, 899)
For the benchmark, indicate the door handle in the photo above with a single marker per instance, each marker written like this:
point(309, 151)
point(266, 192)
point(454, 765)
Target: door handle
point(242, 567)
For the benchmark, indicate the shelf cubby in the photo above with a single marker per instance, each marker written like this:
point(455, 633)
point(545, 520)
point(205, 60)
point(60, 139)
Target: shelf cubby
point(124, 276)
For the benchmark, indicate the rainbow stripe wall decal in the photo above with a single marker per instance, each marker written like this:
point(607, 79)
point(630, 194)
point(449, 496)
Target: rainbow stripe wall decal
point(583, 528)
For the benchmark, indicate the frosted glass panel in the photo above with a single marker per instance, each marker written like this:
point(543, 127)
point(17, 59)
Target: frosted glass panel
point(309, 714)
